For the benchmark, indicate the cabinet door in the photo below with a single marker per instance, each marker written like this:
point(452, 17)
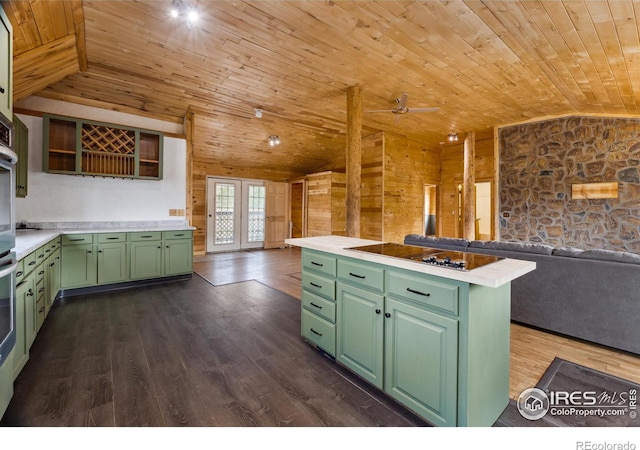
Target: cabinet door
point(25, 295)
point(112, 263)
point(359, 339)
point(21, 147)
point(6, 62)
point(79, 266)
point(421, 361)
point(146, 260)
point(52, 278)
point(178, 256)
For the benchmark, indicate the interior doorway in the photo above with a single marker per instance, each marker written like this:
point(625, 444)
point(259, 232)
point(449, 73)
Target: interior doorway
point(430, 225)
point(235, 214)
point(298, 207)
point(484, 207)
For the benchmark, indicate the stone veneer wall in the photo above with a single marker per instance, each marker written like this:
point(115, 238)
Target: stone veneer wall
point(540, 161)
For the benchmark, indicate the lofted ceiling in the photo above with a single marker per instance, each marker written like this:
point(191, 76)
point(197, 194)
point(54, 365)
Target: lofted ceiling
point(482, 63)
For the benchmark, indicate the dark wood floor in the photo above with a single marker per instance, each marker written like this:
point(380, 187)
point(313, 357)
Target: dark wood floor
point(188, 354)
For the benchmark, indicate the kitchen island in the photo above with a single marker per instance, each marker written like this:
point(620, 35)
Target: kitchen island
point(434, 338)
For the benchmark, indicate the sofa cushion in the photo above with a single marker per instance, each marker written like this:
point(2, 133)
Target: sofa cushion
point(569, 252)
point(419, 239)
point(611, 255)
point(522, 247)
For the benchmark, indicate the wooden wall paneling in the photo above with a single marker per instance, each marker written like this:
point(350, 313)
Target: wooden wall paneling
point(408, 166)
point(326, 204)
point(298, 208)
point(338, 204)
point(372, 188)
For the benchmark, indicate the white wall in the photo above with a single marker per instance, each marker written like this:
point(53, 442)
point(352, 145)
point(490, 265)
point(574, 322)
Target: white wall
point(71, 198)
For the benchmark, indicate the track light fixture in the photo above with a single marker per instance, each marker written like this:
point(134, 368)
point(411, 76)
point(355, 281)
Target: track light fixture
point(184, 9)
point(273, 140)
point(452, 137)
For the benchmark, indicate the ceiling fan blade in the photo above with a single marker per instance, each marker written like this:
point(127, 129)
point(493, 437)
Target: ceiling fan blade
point(416, 110)
point(402, 101)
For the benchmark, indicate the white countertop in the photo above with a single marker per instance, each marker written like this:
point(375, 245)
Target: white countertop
point(29, 240)
point(491, 275)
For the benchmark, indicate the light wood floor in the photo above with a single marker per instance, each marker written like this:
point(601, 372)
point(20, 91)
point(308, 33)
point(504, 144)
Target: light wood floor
point(531, 350)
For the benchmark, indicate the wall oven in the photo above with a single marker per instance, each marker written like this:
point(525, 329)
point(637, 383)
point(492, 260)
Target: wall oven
point(8, 263)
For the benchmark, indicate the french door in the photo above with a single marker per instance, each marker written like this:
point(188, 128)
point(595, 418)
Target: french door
point(235, 214)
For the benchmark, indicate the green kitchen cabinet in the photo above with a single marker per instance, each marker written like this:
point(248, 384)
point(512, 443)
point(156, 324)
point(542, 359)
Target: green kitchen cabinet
point(84, 147)
point(437, 345)
point(21, 147)
point(79, 264)
point(360, 332)
point(6, 383)
point(112, 262)
point(146, 259)
point(318, 312)
point(52, 277)
point(6, 65)
point(25, 306)
point(421, 351)
point(178, 252)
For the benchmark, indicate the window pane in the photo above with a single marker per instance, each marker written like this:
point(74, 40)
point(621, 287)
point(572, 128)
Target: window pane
point(256, 213)
point(225, 214)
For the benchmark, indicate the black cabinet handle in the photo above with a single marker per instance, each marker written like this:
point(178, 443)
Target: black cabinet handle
point(41, 272)
point(77, 240)
point(52, 264)
point(387, 315)
point(413, 291)
point(41, 289)
point(315, 332)
point(112, 238)
point(178, 235)
point(159, 246)
point(89, 251)
point(146, 237)
point(362, 277)
point(42, 309)
point(317, 306)
point(32, 263)
point(315, 285)
point(317, 264)
point(378, 311)
point(99, 251)
point(1, 90)
point(30, 293)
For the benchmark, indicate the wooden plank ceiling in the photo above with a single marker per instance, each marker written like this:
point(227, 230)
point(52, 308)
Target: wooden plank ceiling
point(483, 63)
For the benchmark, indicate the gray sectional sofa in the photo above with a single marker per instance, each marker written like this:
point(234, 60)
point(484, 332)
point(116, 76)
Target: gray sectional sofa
point(588, 294)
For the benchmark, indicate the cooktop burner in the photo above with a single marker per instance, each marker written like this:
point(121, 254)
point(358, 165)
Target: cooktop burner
point(432, 256)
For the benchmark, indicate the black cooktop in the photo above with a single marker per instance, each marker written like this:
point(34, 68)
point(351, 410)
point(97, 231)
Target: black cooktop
point(432, 256)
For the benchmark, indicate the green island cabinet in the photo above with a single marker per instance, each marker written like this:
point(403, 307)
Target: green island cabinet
point(438, 346)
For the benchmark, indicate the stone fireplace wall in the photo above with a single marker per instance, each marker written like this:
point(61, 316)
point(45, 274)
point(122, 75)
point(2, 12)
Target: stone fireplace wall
point(540, 161)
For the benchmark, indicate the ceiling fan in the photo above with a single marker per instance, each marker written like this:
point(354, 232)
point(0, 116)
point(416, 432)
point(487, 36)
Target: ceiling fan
point(402, 108)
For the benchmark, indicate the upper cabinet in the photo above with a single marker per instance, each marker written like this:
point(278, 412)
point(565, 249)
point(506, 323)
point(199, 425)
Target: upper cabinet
point(21, 147)
point(6, 66)
point(84, 147)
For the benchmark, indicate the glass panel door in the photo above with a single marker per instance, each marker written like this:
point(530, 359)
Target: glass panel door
point(235, 214)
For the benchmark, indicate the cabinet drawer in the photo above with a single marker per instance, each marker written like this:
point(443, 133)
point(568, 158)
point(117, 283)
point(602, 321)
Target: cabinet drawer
point(74, 239)
point(145, 236)
point(361, 274)
point(419, 290)
point(29, 263)
point(319, 306)
point(41, 254)
point(319, 262)
point(184, 234)
point(20, 271)
point(319, 285)
point(54, 244)
point(319, 332)
point(104, 238)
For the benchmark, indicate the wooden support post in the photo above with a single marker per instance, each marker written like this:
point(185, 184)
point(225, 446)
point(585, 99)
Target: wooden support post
point(354, 157)
point(468, 190)
point(189, 132)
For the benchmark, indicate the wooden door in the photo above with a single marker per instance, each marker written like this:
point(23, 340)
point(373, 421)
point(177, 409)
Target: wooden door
point(277, 214)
